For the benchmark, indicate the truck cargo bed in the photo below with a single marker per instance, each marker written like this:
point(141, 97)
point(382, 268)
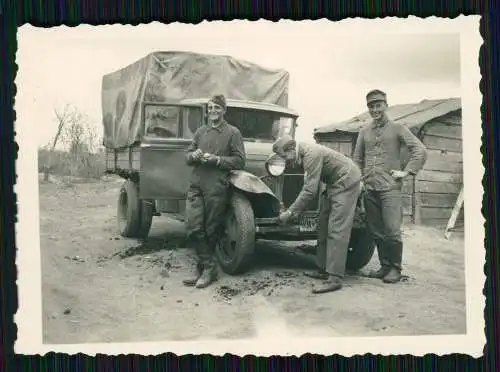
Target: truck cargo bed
point(123, 160)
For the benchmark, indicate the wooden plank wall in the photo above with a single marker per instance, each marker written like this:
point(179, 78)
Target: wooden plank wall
point(408, 198)
point(438, 184)
point(342, 143)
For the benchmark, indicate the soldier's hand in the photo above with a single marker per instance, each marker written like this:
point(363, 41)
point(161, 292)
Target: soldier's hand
point(210, 159)
point(285, 217)
point(398, 174)
point(197, 155)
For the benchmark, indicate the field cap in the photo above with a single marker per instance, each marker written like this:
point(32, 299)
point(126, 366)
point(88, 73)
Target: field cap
point(219, 99)
point(284, 143)
point(376, 95)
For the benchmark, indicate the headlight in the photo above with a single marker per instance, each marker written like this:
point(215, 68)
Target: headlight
point(275, 165)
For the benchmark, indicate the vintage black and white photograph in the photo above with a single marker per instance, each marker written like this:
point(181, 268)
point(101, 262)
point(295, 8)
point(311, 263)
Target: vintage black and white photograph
point(251, 187)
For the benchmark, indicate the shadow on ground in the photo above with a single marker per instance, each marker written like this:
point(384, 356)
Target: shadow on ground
point(279, 255)
point(267, 255)
point(152, 245)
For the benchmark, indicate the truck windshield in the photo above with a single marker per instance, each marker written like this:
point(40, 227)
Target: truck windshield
point(182, 122)
point(162, 121)
point(259, 125)
point(172, 121)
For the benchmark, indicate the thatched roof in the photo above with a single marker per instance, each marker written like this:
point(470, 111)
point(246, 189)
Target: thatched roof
point(413, 116)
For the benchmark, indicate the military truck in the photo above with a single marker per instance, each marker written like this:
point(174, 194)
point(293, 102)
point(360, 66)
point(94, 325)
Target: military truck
point(151, 110)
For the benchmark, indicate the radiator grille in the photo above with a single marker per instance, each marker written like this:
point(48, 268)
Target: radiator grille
point(287, 187)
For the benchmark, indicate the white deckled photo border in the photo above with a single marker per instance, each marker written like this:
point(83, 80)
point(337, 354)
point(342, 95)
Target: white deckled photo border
point(29, 315)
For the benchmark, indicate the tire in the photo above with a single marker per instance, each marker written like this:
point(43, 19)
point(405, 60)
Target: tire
point(147, 209)
point(134, 216)
point(235, 248)
point(361, 249)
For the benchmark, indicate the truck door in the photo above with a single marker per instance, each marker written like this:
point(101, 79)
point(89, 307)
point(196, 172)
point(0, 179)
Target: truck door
point(168, 131)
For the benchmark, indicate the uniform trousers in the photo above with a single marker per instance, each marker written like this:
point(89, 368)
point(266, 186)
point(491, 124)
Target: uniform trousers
point(338, 208)
point(384, 214)
point(206, 205)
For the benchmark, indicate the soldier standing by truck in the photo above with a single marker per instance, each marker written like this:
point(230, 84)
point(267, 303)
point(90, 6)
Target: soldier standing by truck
point(338, 204)
point(378, 154)
point(216, 149)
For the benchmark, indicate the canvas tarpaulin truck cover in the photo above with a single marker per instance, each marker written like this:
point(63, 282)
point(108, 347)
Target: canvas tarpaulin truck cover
point(174, 76)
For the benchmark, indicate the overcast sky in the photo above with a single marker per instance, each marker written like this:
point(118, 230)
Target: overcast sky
point(331, 65)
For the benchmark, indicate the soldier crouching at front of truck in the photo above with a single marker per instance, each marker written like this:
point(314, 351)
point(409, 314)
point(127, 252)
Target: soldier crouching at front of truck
point(342, 178)
point(216, 149)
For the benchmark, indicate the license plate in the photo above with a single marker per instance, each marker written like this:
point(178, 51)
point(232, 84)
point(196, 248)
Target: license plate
point(308, 223)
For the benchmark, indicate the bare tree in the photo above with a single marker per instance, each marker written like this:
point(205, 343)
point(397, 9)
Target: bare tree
point(79, 138)
point(92, 139)
point(74, 133)
point(62, 117)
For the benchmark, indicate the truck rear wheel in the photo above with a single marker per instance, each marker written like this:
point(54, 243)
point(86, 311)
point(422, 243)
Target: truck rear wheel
point(134, 215)
point(361, 249)
point(236, 246)
point(147, 210)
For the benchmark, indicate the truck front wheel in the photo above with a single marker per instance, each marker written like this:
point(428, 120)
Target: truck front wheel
point(235, 248)
point(361, 249)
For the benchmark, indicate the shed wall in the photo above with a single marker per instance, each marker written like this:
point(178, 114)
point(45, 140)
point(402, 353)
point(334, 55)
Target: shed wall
point(343, 143)
point(438, 184)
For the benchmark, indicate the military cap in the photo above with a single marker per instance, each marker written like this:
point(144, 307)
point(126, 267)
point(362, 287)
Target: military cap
point(376, 95)
point(284, 143)
point(219, 99)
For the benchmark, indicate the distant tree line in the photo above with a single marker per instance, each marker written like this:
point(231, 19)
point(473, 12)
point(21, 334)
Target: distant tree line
point(81, 156)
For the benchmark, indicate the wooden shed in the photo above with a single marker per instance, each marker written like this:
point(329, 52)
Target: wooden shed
point(431, 195)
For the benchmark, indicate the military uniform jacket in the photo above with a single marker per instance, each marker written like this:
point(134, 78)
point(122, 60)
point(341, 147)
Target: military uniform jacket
point(225, 141)
point(378, 151)
point(322, 164)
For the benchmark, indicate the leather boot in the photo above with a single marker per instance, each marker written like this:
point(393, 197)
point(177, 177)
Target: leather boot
point(190, 282)
point(380, 273)
point(395, 254)
point(208, 276)
point(393, 276)
point(333, 283)
point(317, 274)
point(384, 262)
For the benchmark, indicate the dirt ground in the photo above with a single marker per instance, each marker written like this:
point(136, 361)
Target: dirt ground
point(99, 287)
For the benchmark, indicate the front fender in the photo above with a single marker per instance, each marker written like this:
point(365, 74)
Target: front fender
point(264, 202)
